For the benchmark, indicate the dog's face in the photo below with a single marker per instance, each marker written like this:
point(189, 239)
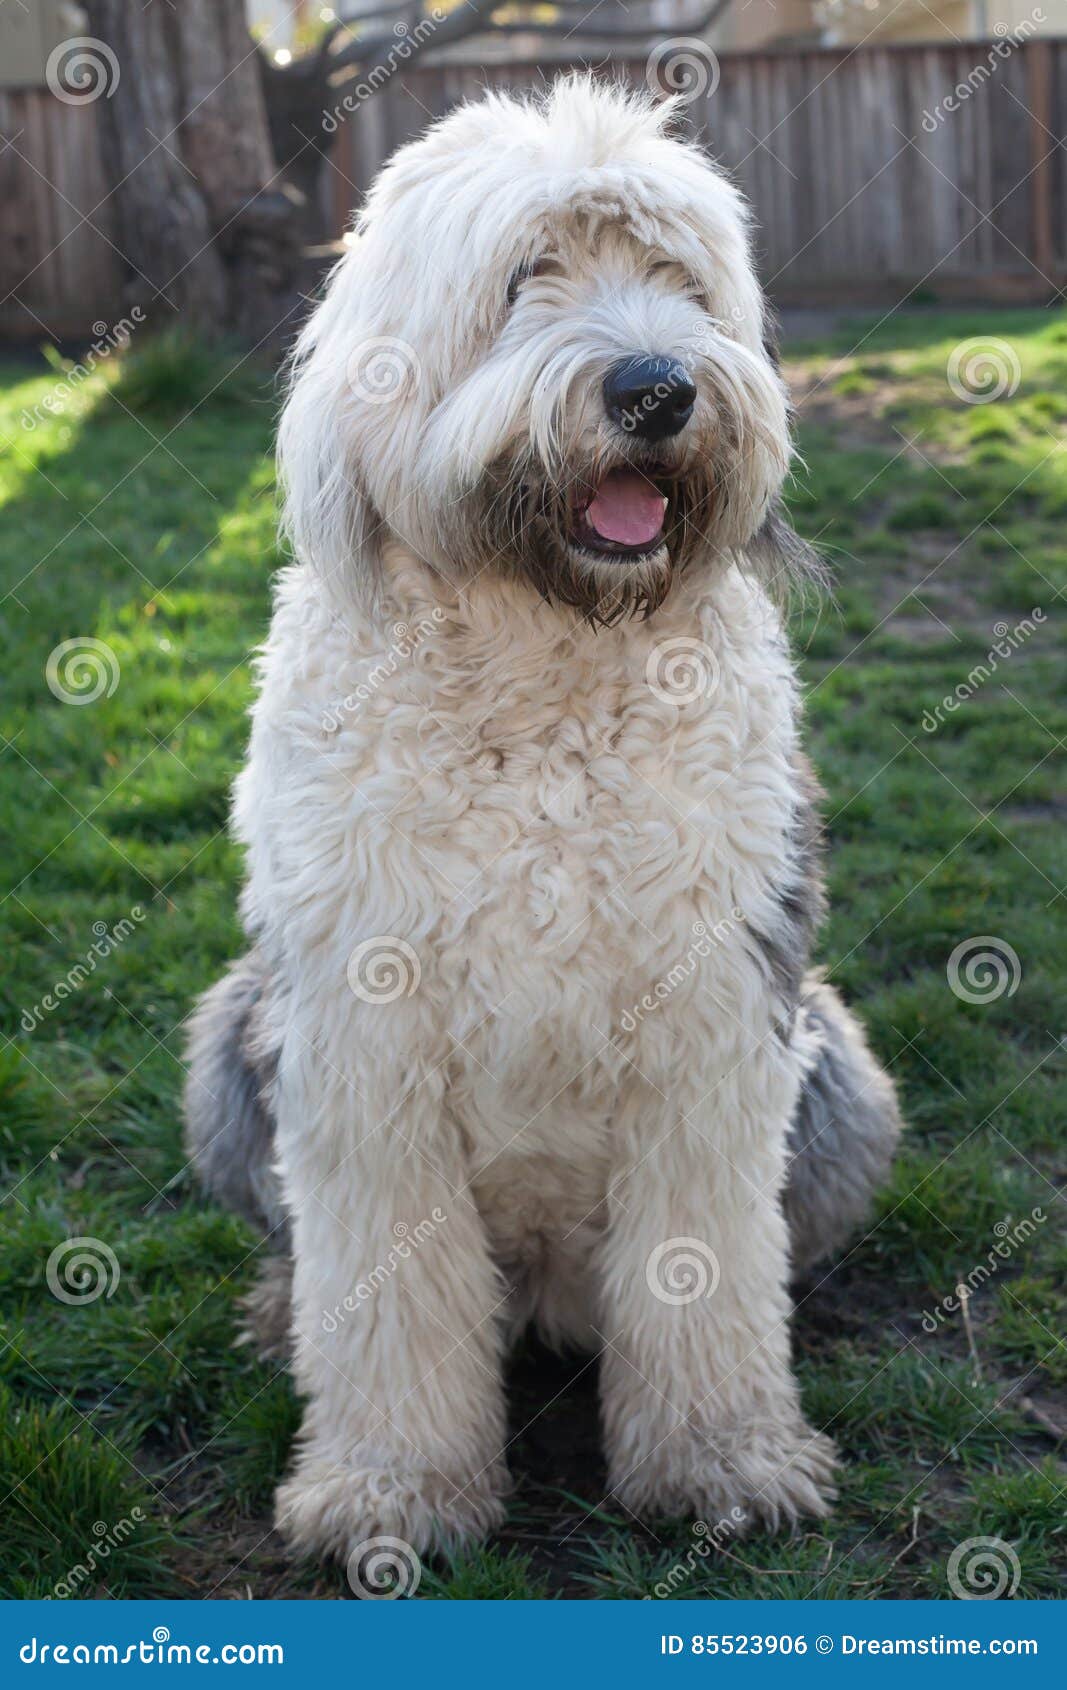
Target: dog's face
point(543, 355)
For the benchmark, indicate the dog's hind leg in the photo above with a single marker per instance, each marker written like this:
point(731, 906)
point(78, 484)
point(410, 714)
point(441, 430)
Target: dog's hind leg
point(229, 1134)
point(844, 1132)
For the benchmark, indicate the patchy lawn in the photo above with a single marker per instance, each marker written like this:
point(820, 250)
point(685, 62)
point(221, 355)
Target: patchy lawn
point(138, 1446)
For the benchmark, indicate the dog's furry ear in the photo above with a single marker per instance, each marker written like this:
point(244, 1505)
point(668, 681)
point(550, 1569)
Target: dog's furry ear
point(327, 516)
point(782, 560)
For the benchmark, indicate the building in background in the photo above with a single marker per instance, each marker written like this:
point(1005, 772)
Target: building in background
point(745, 24)
point(28, 34)
point(851, 21)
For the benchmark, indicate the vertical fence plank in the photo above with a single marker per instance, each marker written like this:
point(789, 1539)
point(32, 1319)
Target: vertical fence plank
point(1043, 143)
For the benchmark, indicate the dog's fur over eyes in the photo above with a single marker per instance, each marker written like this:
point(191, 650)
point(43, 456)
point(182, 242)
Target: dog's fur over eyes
point(526, 1032)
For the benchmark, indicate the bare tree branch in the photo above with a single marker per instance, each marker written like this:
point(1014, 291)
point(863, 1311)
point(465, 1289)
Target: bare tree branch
point(380, 53)
point(385, 10)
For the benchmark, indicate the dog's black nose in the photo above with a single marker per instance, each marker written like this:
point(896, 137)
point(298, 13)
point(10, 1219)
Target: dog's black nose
point(652, 398)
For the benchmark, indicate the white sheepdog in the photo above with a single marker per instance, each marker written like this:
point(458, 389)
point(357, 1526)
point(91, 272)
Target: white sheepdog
point(525, 1032)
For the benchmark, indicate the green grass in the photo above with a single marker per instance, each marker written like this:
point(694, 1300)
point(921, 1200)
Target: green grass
point(141, 517)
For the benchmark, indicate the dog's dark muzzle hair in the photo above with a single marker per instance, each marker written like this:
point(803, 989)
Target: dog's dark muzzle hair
point(650, 398)
point(530, 529)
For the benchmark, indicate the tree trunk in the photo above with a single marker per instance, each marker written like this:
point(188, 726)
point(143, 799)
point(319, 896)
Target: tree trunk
point(209, 236)
point(296, 97)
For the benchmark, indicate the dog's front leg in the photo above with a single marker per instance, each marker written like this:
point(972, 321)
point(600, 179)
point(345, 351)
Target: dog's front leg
point(395, 1298)
point(701, 1408)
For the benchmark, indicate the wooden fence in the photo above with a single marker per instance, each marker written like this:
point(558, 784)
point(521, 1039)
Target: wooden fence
point(861, 178)
point(59, 271)
point(865, 183)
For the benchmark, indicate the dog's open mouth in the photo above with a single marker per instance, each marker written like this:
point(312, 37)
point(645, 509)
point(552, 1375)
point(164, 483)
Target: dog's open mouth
point(622, 516)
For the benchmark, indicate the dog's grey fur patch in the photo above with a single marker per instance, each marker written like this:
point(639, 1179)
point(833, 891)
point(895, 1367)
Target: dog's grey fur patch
point(772, 336)
point(786, 948)
point(844, 1132)
point(266, 1310)
point(781, 560)
point(229, 1131)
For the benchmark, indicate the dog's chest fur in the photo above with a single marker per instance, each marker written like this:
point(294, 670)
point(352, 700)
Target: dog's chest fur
point(577, 860)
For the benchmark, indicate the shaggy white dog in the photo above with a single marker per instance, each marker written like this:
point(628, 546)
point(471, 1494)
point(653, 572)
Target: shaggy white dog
point(525, 1033)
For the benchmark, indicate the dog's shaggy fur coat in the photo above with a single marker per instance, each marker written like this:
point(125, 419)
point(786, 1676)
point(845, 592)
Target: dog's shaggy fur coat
point(526, 1033)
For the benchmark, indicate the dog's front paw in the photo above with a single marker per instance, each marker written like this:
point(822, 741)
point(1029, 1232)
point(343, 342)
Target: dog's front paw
point(336, 1508)
point(765, 1474)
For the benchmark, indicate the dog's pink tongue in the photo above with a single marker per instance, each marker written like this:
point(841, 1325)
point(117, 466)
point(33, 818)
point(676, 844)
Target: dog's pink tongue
point(626, 509)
